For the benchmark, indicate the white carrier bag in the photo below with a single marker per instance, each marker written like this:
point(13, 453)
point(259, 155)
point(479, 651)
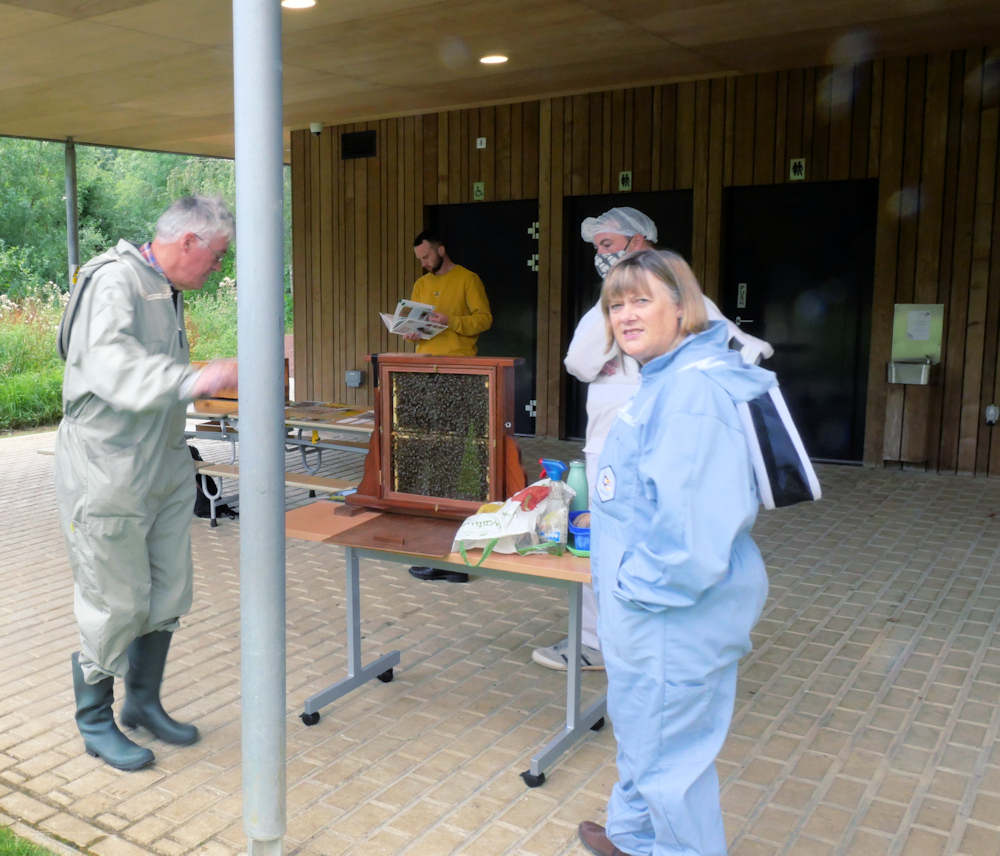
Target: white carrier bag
point(785, 475)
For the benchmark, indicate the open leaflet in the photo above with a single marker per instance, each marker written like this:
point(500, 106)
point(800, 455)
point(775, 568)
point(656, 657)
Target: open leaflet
point(411, 317)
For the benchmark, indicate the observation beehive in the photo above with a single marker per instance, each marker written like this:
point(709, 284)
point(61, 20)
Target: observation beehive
point(443, 442)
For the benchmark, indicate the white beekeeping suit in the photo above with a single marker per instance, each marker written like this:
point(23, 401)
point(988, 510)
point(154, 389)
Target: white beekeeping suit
point(613, 377)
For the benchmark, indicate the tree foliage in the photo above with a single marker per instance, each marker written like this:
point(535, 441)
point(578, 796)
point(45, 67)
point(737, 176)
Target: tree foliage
point(121, 194)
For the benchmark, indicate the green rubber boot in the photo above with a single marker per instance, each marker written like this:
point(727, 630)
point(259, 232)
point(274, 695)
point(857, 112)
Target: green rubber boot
point(147, 655)
point(96, 721)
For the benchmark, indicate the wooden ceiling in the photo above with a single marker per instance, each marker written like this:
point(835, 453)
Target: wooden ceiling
point(157, 74)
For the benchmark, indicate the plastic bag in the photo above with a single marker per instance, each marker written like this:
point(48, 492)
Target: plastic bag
point(516, 526)
point(553, 524)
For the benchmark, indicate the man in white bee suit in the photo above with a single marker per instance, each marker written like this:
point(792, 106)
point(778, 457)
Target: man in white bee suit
point(612, 378)
point(123, 473)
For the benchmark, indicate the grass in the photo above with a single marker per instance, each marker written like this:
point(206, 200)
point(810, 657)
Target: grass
point(13, 845)
point(30, 399)
point(31, 372)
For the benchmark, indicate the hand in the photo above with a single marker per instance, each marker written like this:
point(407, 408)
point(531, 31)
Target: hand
point(754, 350)
point(438, 318)
point(610, 367)
point(411, 337)
point(215, 377)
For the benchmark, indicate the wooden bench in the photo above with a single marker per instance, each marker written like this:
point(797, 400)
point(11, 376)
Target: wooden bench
point(314, 484)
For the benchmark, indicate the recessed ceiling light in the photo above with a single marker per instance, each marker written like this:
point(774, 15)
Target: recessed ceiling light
point(298, 4)
point(493, 59)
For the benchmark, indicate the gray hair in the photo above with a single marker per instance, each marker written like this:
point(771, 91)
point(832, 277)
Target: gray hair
point(205, 216)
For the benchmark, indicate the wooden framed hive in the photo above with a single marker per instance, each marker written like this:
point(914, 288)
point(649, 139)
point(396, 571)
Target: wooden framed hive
point(443, 442)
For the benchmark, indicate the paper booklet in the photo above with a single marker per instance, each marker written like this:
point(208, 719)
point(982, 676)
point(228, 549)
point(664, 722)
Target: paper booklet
point(411, 317)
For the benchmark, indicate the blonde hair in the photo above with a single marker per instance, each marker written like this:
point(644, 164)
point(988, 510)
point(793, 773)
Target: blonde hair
point(628, 277)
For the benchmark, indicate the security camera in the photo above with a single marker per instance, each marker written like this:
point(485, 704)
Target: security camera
point(316, 128)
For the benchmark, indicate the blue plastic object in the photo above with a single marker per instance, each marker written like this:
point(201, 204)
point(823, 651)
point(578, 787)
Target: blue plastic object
point(554, 469)
point(581, 534)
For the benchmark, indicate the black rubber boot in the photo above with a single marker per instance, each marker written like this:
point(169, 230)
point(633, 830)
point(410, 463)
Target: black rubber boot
point(147, 655)
point(96, 722)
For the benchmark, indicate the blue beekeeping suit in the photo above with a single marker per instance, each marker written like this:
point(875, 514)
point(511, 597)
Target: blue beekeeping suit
point(680, 584)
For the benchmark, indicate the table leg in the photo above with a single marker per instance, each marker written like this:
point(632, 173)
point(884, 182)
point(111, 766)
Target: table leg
point(305, 450)
point(230, 436)
point(357, 674)
point(578, 722)
point(213, 498)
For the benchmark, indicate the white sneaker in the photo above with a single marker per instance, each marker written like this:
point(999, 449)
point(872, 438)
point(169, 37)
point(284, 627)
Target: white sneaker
point(556, 657)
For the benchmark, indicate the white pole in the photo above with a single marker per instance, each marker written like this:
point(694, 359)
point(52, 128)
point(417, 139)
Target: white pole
point(260, 230)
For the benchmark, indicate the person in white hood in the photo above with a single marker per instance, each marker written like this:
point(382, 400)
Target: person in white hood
point(612, 377)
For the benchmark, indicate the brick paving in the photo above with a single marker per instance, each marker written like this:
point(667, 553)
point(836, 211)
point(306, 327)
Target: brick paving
point(865, 725)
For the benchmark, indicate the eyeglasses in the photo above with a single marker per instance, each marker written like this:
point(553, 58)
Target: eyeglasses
point(219, 254)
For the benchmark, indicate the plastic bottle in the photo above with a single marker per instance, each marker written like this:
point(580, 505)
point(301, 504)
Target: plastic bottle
point(553, 469)
point(577, 479)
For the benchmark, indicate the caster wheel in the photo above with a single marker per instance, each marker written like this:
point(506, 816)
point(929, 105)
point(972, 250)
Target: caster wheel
point(309, 718)
point(597, 726)
point(533, 781)
point(386, 676)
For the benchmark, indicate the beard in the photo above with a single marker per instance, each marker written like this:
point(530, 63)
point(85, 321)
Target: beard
point(437, 265)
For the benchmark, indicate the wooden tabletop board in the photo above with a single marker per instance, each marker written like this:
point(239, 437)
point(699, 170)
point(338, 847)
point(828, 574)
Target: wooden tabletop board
point(319, 522)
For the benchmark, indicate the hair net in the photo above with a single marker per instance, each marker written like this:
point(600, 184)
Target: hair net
point(619, 221)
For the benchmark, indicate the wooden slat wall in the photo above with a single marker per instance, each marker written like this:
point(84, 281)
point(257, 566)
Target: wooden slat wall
point(925, 126)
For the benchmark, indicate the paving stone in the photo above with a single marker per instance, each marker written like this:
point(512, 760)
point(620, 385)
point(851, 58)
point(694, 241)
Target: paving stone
point(865, 724)
point(72, 829)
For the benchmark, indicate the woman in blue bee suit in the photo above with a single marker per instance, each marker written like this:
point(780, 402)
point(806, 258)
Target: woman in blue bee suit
point(680, 582)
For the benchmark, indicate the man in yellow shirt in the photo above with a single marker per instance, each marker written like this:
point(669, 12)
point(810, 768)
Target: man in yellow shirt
point(458, 298)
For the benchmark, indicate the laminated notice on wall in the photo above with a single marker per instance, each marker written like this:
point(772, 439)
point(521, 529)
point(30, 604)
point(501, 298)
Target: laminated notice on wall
point(918, 325)
point(917, 330)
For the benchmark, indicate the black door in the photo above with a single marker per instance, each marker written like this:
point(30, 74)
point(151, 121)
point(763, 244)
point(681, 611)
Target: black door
point(499, 241)
point(669, 210)
point(799, 265)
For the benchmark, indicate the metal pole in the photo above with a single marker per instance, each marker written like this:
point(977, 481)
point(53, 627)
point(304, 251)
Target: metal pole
point(259, 219)
point(72, 213)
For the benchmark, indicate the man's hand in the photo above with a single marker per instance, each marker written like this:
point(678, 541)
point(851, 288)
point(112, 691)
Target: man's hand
point(438, 318)
point(411, 337)
point(754, 350)
point(215, 377)
point(610, 367)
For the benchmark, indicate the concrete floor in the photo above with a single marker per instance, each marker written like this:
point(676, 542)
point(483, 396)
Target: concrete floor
point(866, 720)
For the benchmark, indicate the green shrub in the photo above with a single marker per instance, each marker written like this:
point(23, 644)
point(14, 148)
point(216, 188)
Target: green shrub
point(30, 370)
point(31, 399)
point(211, 321)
